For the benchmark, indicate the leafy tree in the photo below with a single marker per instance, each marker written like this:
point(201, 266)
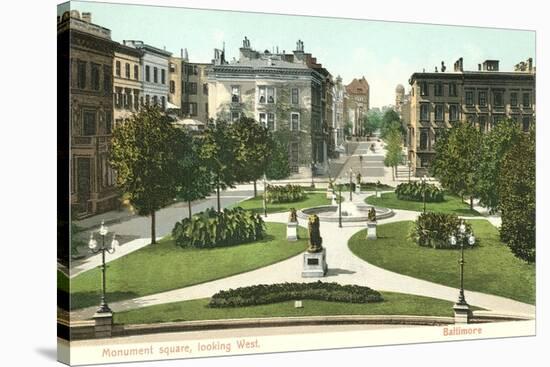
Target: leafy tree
point(517, 189)
point(394, 153)
point(348, 127)
point(195, 180)
point(253, 146)
point(278, 166)
point(372, 122)
point(390, 121)
point(456, 161)
point(145, 151)
point(218, 154)
point(493, 150)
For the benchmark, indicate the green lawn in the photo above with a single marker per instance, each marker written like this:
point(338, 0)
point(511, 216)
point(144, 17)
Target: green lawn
point(311, 199)
point(393, 304)
point(163, 267)
point(62, 282)
point(490, 267)
point(452, 204)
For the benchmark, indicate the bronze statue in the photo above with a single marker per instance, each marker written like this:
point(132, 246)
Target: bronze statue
point(315, 240)
point(372, 214)
point(292, 217)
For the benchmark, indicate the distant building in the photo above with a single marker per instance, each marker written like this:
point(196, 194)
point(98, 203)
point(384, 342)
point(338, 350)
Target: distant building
point(175, 84)
point(86, 53)
point(127, 82)
point(286, 92)
point(358, 103)
point(155, 63)
point(483, 97)
point(339, 119)
point(194, 81)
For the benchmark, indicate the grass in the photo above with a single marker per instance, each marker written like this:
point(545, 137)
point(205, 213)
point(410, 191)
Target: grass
point(165, 266)
point(451, 205)
point(311, 199)
point(62, 282)
point(393, 304)
point(490, 267)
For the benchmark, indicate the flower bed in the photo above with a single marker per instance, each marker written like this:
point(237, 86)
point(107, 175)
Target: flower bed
point(414, 191)
point(265, 294)
point(284, 194)
point(435, 229)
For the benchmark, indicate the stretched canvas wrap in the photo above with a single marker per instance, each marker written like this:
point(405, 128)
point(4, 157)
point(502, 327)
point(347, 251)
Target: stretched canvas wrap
point(239, 183)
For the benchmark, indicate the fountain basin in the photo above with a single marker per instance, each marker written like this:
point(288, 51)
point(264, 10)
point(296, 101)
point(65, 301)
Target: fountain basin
point(329, 213)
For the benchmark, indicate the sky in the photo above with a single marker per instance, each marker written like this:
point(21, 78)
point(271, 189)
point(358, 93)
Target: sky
point(385, 53)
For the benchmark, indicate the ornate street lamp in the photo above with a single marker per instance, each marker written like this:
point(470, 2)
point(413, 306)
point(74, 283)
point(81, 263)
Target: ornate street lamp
point(424, 179)
point(312, 174)
point(110, 248)
point(340, 184)
point(461, 238)
point(265, 197)
point(350, 183)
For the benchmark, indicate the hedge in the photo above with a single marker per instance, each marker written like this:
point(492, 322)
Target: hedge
point(435, 229)
point(265, 294)
point(414, 191)
point(284, 194)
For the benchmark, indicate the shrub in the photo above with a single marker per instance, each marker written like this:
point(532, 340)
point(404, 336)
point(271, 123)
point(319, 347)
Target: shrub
point(435, 229)
point(414, 191)
point(264, 294)
point(213, 229)
point(284, 194)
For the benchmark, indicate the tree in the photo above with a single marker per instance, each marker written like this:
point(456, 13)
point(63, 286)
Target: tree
point(457, 158)
point(394, 153)
point(517, 188)
point(145, 151)
point(195, 180)
point(348, 127)
point(278, 166)
point(493, 150)
point(390, 121)
point(372, 122)
point(253, 145)
point(218, 154)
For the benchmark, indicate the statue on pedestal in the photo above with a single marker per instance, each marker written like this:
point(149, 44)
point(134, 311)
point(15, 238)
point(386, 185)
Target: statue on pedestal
point(315, 240)
point(292, 217)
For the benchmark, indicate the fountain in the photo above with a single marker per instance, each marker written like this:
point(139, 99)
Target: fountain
point(351, 212)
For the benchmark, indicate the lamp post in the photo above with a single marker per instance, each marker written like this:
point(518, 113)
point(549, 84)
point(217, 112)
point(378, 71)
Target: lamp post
point(312, 174)
point(328, 165)
point(424, 191)
point(95, 248)
point(409, 164)
point(265, 197)
point(461, 238)
point(340, 184)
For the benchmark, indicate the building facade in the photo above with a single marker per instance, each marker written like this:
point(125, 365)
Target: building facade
point(174, 83)
point(127, 82)
point(357, 103)
point(283, 91)
point(483, 97)
point(339, 118)
point(87, 50)
point(194, 84)
point(154, 69)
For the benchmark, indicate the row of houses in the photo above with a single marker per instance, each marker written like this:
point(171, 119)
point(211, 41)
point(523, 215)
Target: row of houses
point(107, 81)
point(484, 97)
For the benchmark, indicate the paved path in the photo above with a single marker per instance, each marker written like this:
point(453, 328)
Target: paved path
point(344, 268)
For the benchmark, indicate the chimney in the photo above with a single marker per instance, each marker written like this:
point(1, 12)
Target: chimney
point(87, 17)
point(181, 53)
point(490, 65)
point(478, 67)
point(530, 64)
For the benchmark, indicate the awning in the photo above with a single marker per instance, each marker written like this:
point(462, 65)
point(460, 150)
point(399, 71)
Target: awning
point(171, 106)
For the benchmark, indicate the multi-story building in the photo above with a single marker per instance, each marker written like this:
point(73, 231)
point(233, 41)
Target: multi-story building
point(127, 82)
point(85, 57)
point(154, 63)
point(338, 120)
point(194, 84)
point(283, 91)
point(357, 105)
point(483, 97)
point(174, 83)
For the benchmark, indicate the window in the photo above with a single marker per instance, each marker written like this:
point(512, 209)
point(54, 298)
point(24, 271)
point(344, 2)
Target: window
point(526, 100)
point(263, 119)
point(190, 108)
point(163, 76)
point(482, 123)
point(89, 123)
point(424, 112)
point(155, 74)
point(136, 72)
point(205, 89)
point(438, 89)
point(514, 99)
point(453, 112)
point(235, 94)
point(163, 103)
point(235, 116)
point(439, 112)
point(271, 121)
point(172, 67)
point(294, 156)
point(136, 99)
point(147, 100)
point(118, 97)
point(107, 83)
point(155, 100)
point(267, 94)
point(452, 90)
point(525, 122)
point(295, 95)
point(424, 136)
point(498, 98)
point(147, 73)
point(469, 98)
point(423, 89)
point(117, 68)
point(108, 123)
point(127, 70)
point(172, 86)
point(95, 76)
point(81, 74)
point(190, 88)
point(482, 96)
point(294, 121)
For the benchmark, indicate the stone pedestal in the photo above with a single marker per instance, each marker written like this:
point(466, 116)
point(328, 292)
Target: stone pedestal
point(462, 313)
point(315, 264)
point(371, 230)
point(292, 231)
point(329, 194)
point(103, 326)
point(357, 189)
